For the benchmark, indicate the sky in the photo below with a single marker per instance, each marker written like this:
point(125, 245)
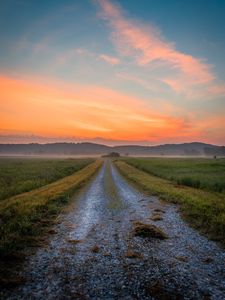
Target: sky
point(113, 72)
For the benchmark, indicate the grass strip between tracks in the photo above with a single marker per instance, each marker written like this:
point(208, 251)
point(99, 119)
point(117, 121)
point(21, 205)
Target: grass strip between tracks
point(27, 216)
point(204, 210)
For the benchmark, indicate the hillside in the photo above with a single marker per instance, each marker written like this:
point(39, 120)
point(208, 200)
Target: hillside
point(187, 149)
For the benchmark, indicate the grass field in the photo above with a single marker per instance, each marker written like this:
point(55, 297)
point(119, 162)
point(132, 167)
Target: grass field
point(208, 174)
point(205, 210)
point(26, 216)
point(18, 175)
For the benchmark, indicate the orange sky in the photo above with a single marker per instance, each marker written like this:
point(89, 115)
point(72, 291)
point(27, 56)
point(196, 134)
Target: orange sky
point(62, 110)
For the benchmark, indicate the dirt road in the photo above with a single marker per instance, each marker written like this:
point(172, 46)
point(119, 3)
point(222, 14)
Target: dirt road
point(94, 254)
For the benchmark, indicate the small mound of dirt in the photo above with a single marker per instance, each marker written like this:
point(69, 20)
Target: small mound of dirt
point(95, 249)
point(74, 241)
point(52, 231)
point(159, 210)
point(182, 258)
point(156, 217)
point(147, 230)
point(107, 254)
point(207, 260)
point(159, 292)
point(132, 254)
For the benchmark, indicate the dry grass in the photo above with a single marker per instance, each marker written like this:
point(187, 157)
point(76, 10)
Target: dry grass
point(148, 230)
point(27, 216)
point(204, 210)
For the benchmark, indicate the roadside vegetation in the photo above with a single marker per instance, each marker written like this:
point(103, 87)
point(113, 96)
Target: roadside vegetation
point(19, 175)
point(205, 210)
point(208, 174)
point(26, 216)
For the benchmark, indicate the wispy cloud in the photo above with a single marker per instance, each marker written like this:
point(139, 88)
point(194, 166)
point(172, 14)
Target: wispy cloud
point(110, 59)
point(146, 45)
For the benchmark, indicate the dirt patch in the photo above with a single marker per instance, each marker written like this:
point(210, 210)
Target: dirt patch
point(148, 230)
point(74, 241)
point(95, 249)
point(107, 254)
point(182, 258)
point(52, 231)
point(158, 291)
point(159, 210)
point(132, 254)
point(156, 217)
point(207, 260)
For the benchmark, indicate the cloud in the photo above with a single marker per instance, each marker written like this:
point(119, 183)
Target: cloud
point(147, 46)
point(110, 59)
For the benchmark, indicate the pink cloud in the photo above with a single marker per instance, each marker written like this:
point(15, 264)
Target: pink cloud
point(147, 46)
point(110, 59)
point(217, 90)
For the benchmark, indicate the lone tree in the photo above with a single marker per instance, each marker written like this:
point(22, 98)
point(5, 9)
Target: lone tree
point(112, 154)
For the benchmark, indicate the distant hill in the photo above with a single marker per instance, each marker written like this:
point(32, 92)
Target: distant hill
point(186, 149)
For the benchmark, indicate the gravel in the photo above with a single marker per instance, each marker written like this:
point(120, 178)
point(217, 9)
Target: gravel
point(87, 256)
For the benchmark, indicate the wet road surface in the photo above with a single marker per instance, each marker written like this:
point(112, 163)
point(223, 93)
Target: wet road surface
point(94, 254)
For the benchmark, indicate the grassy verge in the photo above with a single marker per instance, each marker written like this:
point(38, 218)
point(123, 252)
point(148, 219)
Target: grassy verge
point(26, 216)
point(204, 210)
point(20, 175)
point(202, 173)
point(111, 190)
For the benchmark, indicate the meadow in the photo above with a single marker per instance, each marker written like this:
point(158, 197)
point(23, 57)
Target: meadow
point(207, 174)
point(26, 217)
point(19, 175)
point(202, 205)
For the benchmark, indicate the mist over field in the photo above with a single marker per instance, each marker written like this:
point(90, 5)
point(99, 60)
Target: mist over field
point(85, 149)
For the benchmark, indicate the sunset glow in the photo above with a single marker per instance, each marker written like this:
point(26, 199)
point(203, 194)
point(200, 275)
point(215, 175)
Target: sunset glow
point(120, 79)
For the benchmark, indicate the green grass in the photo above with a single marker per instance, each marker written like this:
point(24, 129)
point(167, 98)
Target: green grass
point(203, 209)
point(207, 174)
point(18, 175)
point(26, 216)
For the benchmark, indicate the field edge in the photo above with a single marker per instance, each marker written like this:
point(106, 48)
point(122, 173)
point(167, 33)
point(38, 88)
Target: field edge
point(204, 211)
point(27, 217)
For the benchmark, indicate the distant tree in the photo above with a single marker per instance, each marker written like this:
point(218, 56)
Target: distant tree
point(112, 154)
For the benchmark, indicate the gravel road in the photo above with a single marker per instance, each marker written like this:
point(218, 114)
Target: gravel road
point(93, 253)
